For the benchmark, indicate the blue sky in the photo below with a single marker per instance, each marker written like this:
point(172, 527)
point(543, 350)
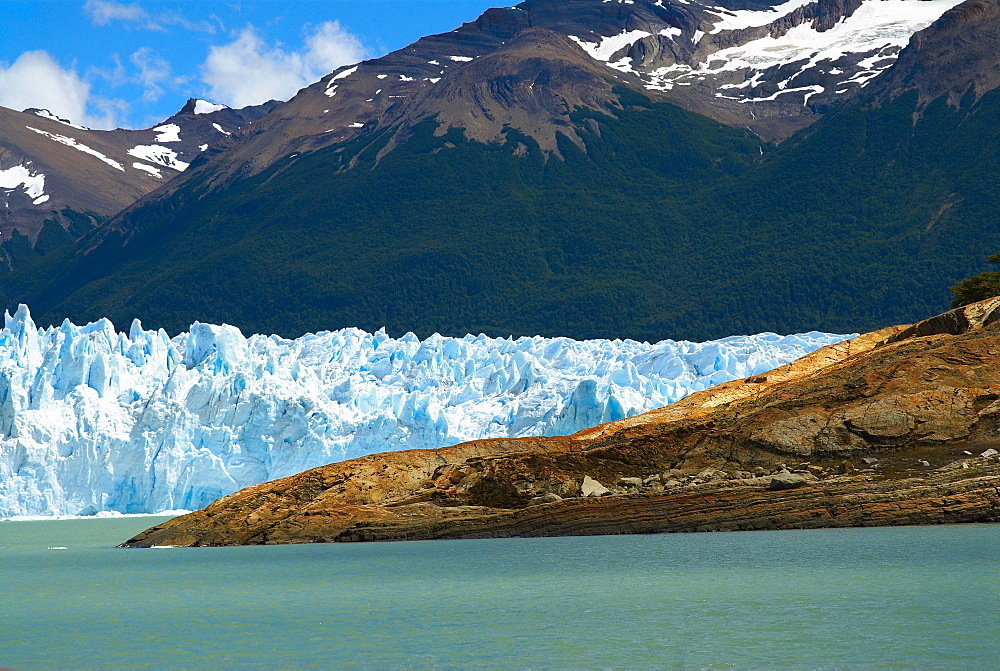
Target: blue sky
point(107, 64)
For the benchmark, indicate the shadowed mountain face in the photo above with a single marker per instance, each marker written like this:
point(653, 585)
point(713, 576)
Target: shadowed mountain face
point(894, 427)
point(58, 180)
point(533, 173)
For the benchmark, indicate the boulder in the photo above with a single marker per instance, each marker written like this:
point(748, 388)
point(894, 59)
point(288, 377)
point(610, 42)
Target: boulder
point(989, 453)
point(592, 487)
point(629, 482)
point(786, 480)
point(547, 497)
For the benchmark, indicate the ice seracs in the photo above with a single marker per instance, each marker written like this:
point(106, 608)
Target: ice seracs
point(95, 420)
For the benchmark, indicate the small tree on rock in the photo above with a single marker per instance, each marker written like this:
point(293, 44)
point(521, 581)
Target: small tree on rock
point(978, 287)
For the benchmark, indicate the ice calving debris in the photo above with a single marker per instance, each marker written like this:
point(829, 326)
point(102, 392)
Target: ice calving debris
point(70, 142)
point(170, 132)
point(160, 155)
point(95, 420)
point(148, 168)
point(205, 107)
point(20, 176)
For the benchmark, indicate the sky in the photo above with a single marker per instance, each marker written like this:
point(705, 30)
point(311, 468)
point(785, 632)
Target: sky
point(108, 64)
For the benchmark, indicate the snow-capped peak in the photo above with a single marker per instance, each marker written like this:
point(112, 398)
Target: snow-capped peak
point(205, 107)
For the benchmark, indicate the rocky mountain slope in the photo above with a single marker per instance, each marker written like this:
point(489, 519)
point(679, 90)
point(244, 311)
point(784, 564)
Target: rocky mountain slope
point(773, 69)
point(59, 180)
point(504, 178)
point(896, 426)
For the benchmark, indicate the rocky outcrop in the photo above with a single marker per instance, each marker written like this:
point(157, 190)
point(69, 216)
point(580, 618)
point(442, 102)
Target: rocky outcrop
point(882, 429)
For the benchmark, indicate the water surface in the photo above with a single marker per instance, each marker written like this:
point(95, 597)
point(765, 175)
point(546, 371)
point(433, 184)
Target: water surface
point(891, 597)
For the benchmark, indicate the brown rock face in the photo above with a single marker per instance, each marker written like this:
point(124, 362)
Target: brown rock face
point(882, 429)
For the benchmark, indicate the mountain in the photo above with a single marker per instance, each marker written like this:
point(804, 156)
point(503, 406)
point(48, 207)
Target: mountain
point(58, 179)
point(745, 63)
point(894, 427)
point(532, 173)
point(92, 420)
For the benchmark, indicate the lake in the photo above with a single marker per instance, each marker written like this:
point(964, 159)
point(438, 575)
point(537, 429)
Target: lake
point(838, 598)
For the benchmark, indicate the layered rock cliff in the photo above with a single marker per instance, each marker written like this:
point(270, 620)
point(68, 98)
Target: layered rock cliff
point(896, 426)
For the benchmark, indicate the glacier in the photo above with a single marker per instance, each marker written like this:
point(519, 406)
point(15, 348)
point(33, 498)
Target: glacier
point(95, 421)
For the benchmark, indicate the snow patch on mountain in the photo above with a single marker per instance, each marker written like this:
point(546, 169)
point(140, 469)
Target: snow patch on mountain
point(332, 87)
point(148, 168)
point(95, 420)
point(79, 146)
point(880, 27)
point(739, 19)
point(170, 132)
point(154, 153)
point(609, 46)
point(20, 176)
point(205, 107)
point(871, 37)
point(46, 114)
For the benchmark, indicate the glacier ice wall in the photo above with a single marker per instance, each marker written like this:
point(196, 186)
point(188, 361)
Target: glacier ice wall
point(94, 420)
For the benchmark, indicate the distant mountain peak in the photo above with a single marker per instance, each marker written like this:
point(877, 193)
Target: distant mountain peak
point(199, 106)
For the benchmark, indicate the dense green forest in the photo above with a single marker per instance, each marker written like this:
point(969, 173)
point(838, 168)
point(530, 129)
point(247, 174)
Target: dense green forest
point(665, 225)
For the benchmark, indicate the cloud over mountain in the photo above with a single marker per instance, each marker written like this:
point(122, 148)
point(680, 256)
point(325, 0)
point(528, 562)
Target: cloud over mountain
point(249, 71)
point(35, 79)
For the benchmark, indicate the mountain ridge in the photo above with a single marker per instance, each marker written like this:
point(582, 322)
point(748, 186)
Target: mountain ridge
point(65, 179)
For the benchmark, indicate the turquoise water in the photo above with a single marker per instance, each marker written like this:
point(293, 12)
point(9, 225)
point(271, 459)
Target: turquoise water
point(894, 597)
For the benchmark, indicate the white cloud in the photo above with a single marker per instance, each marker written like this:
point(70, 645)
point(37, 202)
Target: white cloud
point(36, 80)
point(248, 71)
point(102, 12)
point(154, 73)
